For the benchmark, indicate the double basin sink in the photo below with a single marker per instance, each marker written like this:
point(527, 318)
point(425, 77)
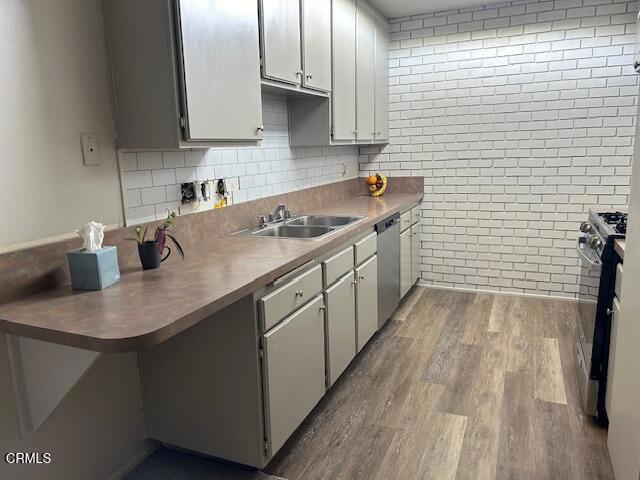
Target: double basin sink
point(311, 227)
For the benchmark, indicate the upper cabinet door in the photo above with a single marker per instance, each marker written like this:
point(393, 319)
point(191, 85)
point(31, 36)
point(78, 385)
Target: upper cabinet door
point(382, 79)
point(281, 57)
point(343, 112)
point(365, 71)
point(221, 70)
point(316, 34)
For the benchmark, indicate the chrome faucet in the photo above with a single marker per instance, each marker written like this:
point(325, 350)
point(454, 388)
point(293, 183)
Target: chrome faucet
point(280, 213)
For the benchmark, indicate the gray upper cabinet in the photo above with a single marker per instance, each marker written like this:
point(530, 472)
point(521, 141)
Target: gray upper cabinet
point(344, 70)
point(382, 80)
point(172, 79)
point(280, 40)
point(365, 71)
point(221, 70)
point(316, 34)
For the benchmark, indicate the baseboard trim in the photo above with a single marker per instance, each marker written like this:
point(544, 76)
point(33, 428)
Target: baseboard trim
point(121, 472)
point(421, 283)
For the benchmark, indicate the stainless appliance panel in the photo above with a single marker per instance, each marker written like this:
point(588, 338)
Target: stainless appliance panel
point(388, 267)
point(588, 285)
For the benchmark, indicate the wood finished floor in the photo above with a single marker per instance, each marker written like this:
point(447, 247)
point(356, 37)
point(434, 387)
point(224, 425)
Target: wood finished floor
point(456, 386)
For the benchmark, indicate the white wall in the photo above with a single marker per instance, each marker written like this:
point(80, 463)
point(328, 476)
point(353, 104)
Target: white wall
point(97, 430)
point(151, 180)
point(54, 85)
point(521, 118)
point(624, 416)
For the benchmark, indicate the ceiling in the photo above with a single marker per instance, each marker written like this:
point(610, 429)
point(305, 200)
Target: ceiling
point(404, 8)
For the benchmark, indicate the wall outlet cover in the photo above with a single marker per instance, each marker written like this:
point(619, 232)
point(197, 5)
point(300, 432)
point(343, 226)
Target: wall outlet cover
point(90, 156)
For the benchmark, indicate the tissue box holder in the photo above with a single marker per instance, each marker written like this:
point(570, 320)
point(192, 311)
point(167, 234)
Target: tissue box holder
point(93, 270)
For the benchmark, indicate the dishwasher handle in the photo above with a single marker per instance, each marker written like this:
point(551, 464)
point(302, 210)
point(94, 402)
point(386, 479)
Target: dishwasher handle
point(387, 223)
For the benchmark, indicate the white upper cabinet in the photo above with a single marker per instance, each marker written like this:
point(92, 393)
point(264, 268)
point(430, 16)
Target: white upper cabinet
point(220, 70)
point(382, 80)
point(316, 35)
point(344, 70)
point(185, 73)
point(280, 35)
point(365, 71)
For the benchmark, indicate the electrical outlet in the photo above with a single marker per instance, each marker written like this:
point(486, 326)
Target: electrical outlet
point(90, 156)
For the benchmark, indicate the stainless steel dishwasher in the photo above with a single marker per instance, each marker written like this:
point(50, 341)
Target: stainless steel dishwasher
point(388, 267)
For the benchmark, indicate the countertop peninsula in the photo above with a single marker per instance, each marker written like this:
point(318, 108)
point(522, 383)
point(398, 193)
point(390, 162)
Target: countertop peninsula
point(148, 307)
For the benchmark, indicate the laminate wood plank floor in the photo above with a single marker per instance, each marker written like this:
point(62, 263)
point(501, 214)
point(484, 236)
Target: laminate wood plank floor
point(457, 385)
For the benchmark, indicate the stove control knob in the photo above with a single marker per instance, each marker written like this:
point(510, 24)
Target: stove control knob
point(585, 227)
point(594, 242)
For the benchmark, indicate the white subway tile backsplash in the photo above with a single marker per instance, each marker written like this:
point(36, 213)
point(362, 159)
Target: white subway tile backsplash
point(138, 179)
point(520, 123)
point(164, 176)
point(149, 160)
point(151, 180)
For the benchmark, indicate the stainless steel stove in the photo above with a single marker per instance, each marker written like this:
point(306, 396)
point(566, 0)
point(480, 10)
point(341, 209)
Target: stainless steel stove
point(595, 294)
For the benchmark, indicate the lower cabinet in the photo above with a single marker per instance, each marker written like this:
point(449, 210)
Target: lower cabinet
point(615, 318)
point(366, 301)
point(415, 253)
point(340, 301)
point(405, 262)
point(294, 371)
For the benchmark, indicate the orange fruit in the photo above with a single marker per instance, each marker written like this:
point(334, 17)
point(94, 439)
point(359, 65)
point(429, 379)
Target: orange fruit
point(372, 180)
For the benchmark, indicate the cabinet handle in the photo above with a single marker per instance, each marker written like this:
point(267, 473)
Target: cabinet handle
point(260, 128)
point(299, 73)
point(322, 308)
point(361, 277)
point(354, 282)
point(299, 293)
point(609, 311)
point(309, 76)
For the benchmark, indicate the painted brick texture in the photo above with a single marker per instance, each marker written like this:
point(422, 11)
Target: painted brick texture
point(521, 117)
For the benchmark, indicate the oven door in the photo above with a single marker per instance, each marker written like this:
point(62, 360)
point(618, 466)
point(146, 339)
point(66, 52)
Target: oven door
point(588, 285)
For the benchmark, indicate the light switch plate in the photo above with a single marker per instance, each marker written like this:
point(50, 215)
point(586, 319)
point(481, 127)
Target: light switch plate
point(90, 156)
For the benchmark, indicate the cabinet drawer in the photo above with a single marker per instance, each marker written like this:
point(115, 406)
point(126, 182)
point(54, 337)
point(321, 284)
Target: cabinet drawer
point(281, 302)
point(337, 265)
point(618, 284)
point(365, 248)
point(294, 368)
point(415, 214)
point(405, 220)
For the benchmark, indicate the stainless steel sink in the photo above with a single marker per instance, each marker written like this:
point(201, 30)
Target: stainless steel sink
point(328, 221)
point(294, 231)
point(311, 227)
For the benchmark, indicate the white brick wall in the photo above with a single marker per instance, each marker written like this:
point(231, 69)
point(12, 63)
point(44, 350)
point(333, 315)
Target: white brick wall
point(521, 118)
point(151, 180)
